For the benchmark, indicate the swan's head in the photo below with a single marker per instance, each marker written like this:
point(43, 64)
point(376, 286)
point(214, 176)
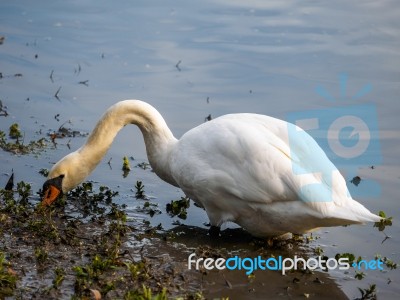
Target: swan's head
point(64, 176)
point(52, 188)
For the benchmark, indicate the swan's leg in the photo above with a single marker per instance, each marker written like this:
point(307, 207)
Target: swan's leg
point(215, 217)
point(214, 231)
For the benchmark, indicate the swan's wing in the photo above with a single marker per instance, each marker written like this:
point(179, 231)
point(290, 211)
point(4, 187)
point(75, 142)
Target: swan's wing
point(257, 159)
point(241, 155)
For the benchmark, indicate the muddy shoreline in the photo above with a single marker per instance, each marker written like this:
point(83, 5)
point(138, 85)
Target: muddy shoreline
point(73, 251)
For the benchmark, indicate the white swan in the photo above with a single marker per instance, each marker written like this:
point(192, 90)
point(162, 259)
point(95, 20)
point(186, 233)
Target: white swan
point(239, 167)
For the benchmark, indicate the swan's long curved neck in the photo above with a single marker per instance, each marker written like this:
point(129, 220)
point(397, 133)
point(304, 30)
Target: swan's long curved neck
point(158, 138)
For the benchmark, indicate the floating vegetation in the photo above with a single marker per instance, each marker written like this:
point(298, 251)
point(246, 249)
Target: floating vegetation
point(386, 221)
point(178, 207)
point(149, 208)
point(90, 203)
point(356, 180)
point(44, 172)
point(20, 148)
point(359, 275)
point(350, 256)
point(63, 132)
point(388, 262)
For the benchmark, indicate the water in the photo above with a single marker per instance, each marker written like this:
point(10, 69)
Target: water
point(192, 59)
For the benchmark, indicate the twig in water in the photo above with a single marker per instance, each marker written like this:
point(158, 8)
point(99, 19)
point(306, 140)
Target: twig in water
point(386, 237)
point(177, 65)
point(77, 71)
point(56, 94)
point(3, 109)
point(84, 82)
point(62, 125)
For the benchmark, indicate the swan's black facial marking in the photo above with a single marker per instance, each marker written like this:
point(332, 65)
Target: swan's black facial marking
point(51, 189)
point(56, 182)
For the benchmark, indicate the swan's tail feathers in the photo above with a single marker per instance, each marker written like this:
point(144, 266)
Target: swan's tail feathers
point(354, 213)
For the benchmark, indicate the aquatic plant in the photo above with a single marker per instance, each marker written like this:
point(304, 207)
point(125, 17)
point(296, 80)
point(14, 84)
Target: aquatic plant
point(368, 293)
point(44, 172)
point(126, 167)
point(350, 256)
point(359, 275)
point(178, 207)
point(386, 221)
point(20, 148)
point(388, 262)
point(14, 131)
point(139, 194)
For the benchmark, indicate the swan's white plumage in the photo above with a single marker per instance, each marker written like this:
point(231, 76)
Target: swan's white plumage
point(239, 167)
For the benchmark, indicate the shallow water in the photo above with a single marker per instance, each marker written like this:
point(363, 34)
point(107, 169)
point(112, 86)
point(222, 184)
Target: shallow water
point(190, 60)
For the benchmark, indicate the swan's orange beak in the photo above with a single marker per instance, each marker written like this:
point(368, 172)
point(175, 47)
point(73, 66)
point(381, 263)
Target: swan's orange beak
point(50, 195)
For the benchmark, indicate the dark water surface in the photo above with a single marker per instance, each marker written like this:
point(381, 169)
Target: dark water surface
point(191, 59)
